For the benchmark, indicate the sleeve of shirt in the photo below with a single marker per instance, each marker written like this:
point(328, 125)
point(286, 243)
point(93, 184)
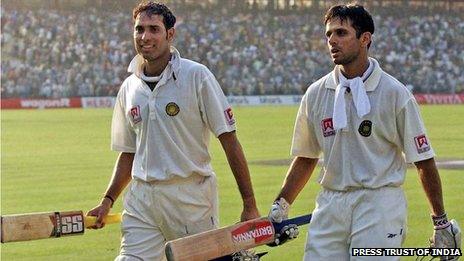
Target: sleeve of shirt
point(123, 138)
point(215, 110)
point(412, 134)
point(304, 143)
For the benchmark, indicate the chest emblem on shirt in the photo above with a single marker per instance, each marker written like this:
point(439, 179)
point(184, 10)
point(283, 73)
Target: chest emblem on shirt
point(135, 114)
point(327, 127)
point(365, 128)
point(172, 109)
point(422, 143)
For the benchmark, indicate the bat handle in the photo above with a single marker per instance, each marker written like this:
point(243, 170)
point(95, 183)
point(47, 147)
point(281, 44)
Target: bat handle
point(109, 219)
point(301, 220)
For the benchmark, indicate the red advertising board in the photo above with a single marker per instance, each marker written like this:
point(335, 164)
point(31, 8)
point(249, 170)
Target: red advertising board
point(17, 103)
point(108, 102)
point(439, 98)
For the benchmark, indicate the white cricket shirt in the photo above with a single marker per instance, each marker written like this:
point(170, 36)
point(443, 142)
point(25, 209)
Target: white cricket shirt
point(372, 151)
point(168, 128)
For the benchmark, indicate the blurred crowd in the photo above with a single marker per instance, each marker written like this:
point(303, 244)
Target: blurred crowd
point(50, 53)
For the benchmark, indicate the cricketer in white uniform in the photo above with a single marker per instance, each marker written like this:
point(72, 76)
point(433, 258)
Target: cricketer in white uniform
point(162, 120)
point(368, 126)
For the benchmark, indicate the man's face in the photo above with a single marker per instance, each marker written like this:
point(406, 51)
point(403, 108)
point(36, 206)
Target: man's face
point(151, 39)
point(343, 44)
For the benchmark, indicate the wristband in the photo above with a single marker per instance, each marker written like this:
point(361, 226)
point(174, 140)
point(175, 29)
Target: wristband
point(440, 222)
point(110, 198)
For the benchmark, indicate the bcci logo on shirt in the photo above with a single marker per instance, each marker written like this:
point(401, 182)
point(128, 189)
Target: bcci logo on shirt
point(327, 127)
point(172, 109)
point(365, 128)
point(422, 144)
point(135, 114)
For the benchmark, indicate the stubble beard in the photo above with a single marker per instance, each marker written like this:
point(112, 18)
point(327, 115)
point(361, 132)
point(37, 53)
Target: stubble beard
point(150, 58)
point(348, 59)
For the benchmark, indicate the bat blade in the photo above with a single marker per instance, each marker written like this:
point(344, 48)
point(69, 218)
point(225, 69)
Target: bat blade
point(33, 226)
point(227, 240)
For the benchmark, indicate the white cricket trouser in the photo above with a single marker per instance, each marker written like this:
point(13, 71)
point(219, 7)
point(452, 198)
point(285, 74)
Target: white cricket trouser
point(157, 212)
point(364, 218)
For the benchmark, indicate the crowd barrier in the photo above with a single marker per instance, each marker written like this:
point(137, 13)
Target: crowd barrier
point(108, 102)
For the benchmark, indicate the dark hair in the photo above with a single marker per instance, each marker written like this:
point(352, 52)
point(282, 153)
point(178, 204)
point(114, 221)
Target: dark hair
point(153, 8)
point(360, 19)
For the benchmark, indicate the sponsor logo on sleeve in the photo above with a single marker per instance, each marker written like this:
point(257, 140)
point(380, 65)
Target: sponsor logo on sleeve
point(135, 114)
point(422, 144)
point(327, 127)
point(229, 116)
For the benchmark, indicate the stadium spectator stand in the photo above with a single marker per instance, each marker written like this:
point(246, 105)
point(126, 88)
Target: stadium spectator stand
point(55, 52)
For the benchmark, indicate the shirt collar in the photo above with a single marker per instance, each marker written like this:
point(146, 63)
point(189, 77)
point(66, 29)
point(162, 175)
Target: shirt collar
point(370, 83)
point(136, 65)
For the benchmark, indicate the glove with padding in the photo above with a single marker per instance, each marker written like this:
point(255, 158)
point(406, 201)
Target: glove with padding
point(279, 210)
point(247, 255)
point(287, 233)
point(447, 234)
point(244, 255)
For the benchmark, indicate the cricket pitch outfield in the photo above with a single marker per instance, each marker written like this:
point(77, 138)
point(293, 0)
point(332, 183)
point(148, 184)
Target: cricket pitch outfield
point(60, 159)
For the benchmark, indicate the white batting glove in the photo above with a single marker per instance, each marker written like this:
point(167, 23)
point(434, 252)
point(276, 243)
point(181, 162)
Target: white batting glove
point(447, 234)
point(279, 210)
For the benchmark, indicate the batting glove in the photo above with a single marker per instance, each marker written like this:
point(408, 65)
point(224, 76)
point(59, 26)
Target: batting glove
point(279, 210)
point(244, 255)
point(247, 255)
point(447, 234)
point(287, 233)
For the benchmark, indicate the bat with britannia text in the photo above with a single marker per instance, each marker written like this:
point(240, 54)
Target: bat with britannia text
point(227, 240)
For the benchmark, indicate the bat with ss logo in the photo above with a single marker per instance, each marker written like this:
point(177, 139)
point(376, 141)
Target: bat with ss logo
point(34, 226)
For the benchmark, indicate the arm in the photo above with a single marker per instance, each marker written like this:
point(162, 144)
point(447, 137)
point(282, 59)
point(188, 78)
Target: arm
point(446, 233)
point(417, 149)
point(297, 176)
point(121, 177)
point(431, 183)
point(239, 167)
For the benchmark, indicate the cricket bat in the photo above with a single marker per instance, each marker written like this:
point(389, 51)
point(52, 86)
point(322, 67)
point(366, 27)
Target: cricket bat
point(227, 240)
point(34, 226)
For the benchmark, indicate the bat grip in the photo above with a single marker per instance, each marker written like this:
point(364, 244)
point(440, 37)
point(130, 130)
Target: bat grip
point(109, 219)
point(301, 220)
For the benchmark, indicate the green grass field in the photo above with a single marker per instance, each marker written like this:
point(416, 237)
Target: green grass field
point(60, 160)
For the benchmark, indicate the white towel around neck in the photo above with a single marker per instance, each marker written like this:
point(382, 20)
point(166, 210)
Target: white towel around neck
point(360, 99)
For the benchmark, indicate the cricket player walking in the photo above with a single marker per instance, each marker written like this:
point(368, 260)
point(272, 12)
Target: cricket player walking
point(162, 120)
point(362, 120)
